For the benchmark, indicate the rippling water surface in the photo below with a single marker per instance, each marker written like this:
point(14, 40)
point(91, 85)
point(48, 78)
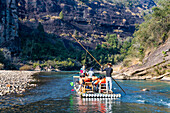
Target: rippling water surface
point(54, 95)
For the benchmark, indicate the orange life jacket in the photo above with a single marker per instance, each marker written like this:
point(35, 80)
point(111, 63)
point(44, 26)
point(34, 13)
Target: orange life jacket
point(97, 81)
point(103, 80)
point(86, 79)
point(94, 78)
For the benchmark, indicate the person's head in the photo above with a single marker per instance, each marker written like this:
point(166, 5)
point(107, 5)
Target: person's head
point(94, 75)
point(83, 67)
point(109, 64)
point(91, 69)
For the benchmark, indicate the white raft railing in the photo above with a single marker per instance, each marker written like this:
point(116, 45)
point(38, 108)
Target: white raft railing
point(84, 95)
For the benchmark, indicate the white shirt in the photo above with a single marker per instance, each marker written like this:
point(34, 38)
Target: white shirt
point(90, 73)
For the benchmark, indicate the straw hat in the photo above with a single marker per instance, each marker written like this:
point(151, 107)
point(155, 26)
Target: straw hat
point(109, 64)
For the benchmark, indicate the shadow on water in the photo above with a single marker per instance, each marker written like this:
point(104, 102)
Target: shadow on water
point(54, 95)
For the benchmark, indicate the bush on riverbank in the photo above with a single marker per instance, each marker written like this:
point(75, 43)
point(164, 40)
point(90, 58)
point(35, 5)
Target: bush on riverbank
point(1, 66)
point(2, 58)
point(4, 63)
point(26, 68)
point(66, 65)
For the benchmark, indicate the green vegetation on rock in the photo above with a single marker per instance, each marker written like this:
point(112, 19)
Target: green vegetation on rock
point(61, 15)
point(153, 32)
point(52, 51)
point(1, 66)
point(46, 49)
point(2, 58)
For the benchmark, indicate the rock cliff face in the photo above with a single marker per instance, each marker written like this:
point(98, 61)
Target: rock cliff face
point(9, 24)
point(156, 64)
point(90, 20)
point(95, 17)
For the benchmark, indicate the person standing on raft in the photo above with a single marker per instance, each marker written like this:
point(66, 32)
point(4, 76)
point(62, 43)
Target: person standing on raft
point(109, 71)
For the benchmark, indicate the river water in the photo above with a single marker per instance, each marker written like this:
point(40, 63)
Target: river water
point(54, 95)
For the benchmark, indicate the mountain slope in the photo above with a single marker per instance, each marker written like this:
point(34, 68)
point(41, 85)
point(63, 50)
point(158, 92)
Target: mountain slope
point(39, 30)
point(89, 19)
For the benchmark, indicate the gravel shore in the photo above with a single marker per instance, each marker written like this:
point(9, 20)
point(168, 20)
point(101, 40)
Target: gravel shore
point(15, 81)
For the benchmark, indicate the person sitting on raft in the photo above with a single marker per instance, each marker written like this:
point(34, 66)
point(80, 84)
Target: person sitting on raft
point(101, 79)
point(86, 79)
point(83, 69)
point(109, 71)
point(96, 83)
point(94, 78)
point(81, 81)
point(90, 74)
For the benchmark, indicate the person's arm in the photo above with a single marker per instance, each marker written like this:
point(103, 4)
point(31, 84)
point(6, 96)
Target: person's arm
point(103, 69)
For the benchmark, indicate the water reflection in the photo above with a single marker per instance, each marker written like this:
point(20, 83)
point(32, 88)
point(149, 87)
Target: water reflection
point(108, 105)
point(102, 105)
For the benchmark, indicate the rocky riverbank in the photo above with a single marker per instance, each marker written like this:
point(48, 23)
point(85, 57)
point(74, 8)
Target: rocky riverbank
point(122, 76)
point(16, 82)
point(155, 66)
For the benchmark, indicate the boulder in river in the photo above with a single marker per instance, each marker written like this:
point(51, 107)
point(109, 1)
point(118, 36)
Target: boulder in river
point(145, 89)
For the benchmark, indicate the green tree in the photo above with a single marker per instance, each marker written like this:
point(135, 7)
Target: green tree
point(61, 15)
point(154, 30)
point(113, 41)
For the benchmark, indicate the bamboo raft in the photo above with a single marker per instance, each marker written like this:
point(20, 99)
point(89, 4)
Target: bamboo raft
point(91, 94)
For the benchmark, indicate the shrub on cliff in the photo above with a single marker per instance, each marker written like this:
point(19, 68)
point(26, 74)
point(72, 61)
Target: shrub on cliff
point(154, 30)
point(1, 66)
point(2, 58)
point(152, 33)
point(26, 68)
point(61, 15)
point(36, 64)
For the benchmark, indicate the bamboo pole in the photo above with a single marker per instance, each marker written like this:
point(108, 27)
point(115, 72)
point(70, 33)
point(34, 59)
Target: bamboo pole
point(86, 50)
point(95, 60)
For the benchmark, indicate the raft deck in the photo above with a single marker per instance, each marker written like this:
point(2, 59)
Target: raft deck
point(100, 95)
point(91, 94)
